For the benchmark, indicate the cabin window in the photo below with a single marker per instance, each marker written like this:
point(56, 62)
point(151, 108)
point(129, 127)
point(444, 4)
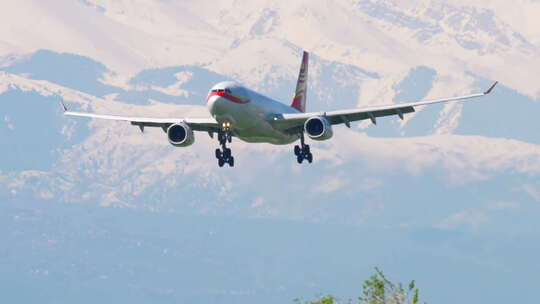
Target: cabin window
point(227, 91)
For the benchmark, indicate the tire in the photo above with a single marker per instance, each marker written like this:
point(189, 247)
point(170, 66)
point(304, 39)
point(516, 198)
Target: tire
point(300, 158)
point(307, 150)
point(227, 153)
point(309, 158)
point(231, 162)
point(297, 150)
point(218, 154)
point(221, 162)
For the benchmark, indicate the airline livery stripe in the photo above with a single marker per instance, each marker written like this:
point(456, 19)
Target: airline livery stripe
point(227, 96)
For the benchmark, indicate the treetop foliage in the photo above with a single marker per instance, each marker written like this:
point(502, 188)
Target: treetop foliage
point(378, 289)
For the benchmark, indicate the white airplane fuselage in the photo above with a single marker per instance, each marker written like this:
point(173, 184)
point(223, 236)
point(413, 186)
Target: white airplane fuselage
point(249, 113)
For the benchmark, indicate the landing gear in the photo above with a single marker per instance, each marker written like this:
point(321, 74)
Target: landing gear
point(303, 151)
point(224, 155)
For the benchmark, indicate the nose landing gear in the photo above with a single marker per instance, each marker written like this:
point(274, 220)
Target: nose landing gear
point(303, 151)
point(224, 155)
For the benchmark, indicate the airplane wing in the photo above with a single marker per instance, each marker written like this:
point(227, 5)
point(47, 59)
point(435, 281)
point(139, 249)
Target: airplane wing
point(197, 124)
point(293, 120)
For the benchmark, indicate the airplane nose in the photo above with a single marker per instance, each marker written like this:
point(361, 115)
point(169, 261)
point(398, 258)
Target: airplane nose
point(214, 104)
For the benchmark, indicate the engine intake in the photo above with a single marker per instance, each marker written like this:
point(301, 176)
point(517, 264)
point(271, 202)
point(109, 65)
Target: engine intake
point(180, 135)
point(318, 128)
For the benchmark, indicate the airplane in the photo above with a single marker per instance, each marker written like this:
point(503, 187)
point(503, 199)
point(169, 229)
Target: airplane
point(237, 111)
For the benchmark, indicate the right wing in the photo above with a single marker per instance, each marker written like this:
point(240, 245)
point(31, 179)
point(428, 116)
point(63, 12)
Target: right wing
point(295, 120)
point(197, 124)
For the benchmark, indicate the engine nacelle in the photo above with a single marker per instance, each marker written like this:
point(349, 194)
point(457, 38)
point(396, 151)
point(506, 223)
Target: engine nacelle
point(318, 128)
point(180, 135)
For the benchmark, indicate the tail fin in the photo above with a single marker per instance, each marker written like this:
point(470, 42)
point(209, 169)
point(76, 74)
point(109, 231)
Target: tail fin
point(299, 100)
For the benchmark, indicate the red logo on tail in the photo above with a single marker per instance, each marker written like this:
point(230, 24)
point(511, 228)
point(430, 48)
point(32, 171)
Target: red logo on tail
point(299, 99)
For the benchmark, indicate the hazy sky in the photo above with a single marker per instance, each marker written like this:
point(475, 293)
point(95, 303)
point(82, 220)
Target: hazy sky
point(96, 211)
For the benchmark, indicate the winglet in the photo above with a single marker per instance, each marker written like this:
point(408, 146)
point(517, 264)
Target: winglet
point(63, 106)
point(491, 88)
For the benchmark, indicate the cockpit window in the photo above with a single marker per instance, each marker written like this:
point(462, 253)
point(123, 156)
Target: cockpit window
point(221, 90)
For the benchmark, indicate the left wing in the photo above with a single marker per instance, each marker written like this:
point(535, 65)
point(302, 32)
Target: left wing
point(293, 120)
point(197, 124)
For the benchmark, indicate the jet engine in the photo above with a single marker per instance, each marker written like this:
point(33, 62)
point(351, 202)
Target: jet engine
point(180, 135)
point(318, 128)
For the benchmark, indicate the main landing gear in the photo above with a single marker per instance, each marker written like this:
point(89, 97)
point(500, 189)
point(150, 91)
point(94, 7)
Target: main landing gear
point(224, 155)
point(303, 152)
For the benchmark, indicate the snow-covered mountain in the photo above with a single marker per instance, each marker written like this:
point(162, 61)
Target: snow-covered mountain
point(391, 52)
point(455, 168)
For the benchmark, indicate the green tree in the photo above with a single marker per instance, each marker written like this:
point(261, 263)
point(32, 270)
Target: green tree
point(377, 290)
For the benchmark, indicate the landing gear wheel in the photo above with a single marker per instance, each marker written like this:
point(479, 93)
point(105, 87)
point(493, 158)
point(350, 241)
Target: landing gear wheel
point(309, 157)
point(303, 151)
point(224, 155)
point(227, 153)
point(297, 150)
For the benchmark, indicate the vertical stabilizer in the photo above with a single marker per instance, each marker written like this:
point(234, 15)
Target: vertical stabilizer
point(299, 99)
